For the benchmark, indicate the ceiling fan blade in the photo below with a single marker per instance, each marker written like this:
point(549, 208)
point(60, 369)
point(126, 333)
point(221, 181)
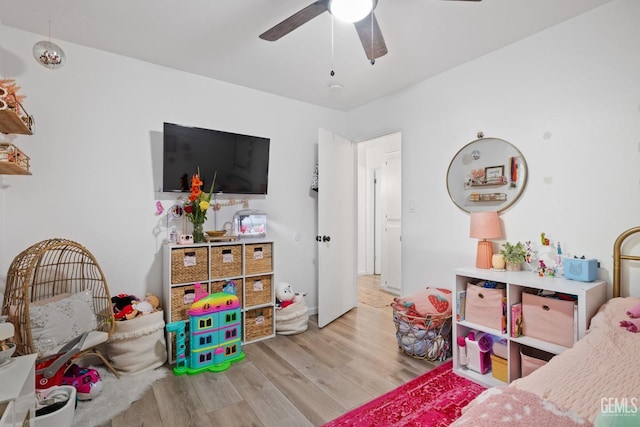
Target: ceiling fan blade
point(294, 21)
point(373, 44)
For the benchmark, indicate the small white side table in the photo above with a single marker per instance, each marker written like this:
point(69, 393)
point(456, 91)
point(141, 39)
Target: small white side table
point(17, 394)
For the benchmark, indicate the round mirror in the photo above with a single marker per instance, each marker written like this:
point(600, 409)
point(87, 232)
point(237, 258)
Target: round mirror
point(488, 174)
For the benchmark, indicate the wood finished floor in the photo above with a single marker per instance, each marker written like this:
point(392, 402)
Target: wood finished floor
point(299, 380)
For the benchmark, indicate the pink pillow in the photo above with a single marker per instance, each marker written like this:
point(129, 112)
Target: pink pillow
point(429, 301)
point(634, 311)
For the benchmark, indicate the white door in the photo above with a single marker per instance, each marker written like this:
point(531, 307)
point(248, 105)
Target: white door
point(390, 278)
point(336, 237)
point(377, 221)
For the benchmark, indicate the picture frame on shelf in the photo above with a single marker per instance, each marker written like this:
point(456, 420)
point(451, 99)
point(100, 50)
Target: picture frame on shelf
point(493, 173)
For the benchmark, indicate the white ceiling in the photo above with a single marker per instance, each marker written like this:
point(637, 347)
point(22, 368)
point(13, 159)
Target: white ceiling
point(219, 39)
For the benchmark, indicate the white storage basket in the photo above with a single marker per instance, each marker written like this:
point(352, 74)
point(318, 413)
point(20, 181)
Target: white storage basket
point(138, 344)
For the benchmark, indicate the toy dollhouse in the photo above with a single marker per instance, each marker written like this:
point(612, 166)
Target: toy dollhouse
point(214, 333)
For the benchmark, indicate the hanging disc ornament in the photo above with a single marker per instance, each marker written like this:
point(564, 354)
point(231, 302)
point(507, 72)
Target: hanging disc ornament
point(49, 54)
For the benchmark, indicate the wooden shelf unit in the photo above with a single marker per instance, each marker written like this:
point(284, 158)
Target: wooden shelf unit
point(247, 262)
point(590, 296)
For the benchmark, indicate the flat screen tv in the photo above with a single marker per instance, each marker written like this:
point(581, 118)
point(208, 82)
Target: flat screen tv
point(240, 161)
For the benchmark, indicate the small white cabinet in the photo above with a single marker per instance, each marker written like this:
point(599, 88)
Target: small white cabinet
point(248, 263)
point(17, 392)
point(590, 296)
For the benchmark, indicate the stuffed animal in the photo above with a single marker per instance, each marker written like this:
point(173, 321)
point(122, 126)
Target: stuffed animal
point(285, 295)
point(123, 306)
point(148, 305)
point(153, 300)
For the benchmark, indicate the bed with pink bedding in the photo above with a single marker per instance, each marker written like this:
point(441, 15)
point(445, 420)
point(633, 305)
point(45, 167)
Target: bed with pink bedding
point(595, 382)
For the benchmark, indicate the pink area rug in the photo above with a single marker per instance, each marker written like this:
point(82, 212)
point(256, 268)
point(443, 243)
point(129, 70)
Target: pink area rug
point(433, 399)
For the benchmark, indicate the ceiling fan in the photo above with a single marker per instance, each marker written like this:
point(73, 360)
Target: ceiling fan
point(366, 24)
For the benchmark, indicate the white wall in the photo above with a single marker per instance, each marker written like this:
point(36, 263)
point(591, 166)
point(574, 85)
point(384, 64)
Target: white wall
point(568, 98)
point(95, 160)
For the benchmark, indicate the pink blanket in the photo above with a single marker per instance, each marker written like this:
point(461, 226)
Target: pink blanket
point(508, 406)
point(602, 364)
point(574, 383)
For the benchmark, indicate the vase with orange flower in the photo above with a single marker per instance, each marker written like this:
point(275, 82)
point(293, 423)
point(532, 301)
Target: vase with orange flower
point(197, 205)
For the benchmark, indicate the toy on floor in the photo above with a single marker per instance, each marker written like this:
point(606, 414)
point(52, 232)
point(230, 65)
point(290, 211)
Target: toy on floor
point(285, 295)
point(214, 332)
point(291, 311)
point(86, 381)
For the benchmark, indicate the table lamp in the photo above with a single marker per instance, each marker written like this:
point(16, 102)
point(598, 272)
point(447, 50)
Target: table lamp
point(484, 225)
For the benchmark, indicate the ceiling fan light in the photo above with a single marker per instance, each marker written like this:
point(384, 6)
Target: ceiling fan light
point(350, 10)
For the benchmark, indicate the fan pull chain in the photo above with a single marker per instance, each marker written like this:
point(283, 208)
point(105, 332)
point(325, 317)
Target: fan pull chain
point(332, 73)
point(373, 60)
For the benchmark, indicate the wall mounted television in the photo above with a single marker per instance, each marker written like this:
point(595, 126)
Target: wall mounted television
point(240, 161)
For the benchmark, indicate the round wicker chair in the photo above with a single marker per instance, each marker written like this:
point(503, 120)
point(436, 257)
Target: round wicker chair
point(51, 268)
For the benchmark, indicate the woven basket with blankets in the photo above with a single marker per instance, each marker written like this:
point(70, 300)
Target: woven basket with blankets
point(423, 323)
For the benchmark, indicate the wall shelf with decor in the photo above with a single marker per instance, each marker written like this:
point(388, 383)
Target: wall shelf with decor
point(12, 123)
point(12, 160)
point(499, 182)
point(248, 263)
point(589, 296)
point(14, 119)
point(487, 197)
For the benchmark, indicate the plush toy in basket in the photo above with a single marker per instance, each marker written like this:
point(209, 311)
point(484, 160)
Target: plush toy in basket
point(423, 323)
point(137, 343)
point(291, 314)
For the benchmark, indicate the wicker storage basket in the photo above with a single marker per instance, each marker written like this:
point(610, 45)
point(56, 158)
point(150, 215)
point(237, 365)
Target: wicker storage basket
point(257, 291)
point(257, 258)
point(426, 338)
point(181, 299)
point(219, 285)
point(226, 261)
point(189, 265)
point(258, 323)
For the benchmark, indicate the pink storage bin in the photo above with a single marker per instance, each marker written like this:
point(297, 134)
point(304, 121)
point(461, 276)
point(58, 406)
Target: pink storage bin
point(485, 306)
point(532, 359)
point(548, 319)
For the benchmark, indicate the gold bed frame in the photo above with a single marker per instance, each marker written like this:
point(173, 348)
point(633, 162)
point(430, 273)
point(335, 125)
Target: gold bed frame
point(618, 257)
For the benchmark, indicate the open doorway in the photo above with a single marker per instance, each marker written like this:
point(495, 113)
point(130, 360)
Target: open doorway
point(379, 215)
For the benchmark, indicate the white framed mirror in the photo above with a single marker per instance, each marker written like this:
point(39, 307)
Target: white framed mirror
point(488, 174)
